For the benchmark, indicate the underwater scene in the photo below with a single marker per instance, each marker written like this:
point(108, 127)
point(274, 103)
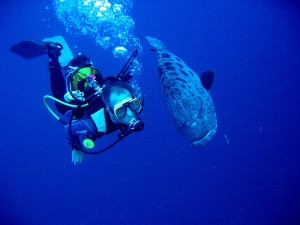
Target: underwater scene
point(138, 112)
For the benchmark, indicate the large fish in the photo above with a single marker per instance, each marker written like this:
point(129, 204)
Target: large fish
point(186, 96)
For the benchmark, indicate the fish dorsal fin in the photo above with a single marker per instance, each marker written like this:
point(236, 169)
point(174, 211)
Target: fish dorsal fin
point(207, 79)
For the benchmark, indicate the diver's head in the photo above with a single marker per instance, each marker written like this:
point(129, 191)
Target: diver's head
point(80, 60)
point(122, 105)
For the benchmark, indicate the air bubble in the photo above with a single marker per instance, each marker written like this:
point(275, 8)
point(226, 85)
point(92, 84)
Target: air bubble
point(120, 51)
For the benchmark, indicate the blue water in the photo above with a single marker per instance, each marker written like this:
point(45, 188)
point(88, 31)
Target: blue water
point(155, 177)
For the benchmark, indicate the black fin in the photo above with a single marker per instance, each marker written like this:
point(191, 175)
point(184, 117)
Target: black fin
point(29, 49)
point(207, 79)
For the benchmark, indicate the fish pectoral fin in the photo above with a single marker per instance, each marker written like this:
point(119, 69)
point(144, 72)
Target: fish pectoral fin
point(207, 79)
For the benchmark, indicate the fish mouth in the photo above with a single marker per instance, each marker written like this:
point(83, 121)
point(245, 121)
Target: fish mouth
point(206, 139)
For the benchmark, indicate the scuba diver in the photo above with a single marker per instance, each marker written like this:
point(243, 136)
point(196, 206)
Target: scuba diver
point(90, 106)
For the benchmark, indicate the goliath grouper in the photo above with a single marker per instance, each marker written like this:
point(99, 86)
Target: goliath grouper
point(186, 97)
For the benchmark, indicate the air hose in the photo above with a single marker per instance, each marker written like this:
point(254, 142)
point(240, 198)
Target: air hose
point(60, 119)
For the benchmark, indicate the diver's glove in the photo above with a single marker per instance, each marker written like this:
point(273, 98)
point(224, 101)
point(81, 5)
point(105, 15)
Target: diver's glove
point(77, 156)
point(53, 49)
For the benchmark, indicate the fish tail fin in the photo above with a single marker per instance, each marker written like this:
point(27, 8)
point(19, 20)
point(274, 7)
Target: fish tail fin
point(156, 44)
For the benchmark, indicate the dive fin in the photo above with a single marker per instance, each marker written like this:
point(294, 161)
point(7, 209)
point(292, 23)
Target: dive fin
point(66, 53)
point(207, 79)
point(29, 49)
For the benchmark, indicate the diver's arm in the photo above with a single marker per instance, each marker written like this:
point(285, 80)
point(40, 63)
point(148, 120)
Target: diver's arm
point(57, 80)
point(57, 83)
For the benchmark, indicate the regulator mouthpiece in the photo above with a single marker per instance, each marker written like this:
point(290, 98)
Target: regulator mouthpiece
point(136, 125)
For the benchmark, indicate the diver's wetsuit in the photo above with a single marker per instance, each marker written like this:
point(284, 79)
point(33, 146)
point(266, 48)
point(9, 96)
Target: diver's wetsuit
point(57, 83)
point(58, 88)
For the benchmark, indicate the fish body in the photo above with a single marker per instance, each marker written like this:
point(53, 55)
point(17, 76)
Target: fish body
point(186, 96)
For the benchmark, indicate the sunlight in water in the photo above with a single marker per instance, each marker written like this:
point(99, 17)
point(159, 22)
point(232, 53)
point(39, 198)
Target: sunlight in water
point(107, 22)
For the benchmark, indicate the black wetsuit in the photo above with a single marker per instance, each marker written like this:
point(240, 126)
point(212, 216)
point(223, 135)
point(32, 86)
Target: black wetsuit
point(58, 88)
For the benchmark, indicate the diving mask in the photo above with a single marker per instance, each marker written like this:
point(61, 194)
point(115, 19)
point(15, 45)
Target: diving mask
point(133, 104)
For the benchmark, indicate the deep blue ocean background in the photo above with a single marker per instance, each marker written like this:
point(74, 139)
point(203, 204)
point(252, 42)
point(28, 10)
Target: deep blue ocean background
point(156, 177)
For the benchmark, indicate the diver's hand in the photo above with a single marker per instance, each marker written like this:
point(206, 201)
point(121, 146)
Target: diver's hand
point(77, 156)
